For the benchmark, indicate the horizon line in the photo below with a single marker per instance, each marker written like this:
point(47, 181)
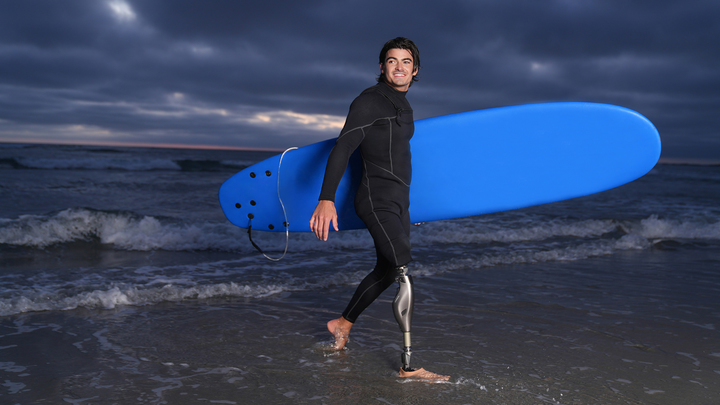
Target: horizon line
point(142, 145)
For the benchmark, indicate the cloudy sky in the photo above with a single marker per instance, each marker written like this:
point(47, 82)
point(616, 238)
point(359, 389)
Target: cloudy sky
point(275, 74)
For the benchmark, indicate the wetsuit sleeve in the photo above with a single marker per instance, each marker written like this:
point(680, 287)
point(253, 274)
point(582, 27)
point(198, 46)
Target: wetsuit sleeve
point(338, 161)
point(361, 114)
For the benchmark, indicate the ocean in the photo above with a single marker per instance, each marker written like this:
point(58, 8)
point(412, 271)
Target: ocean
point(122, 282)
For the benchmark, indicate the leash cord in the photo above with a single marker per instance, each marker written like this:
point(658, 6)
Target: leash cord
point(286, 224)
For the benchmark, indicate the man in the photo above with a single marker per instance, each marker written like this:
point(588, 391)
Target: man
point(380, 123)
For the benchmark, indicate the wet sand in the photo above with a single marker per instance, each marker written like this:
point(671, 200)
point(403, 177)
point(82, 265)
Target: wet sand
point(633, 328)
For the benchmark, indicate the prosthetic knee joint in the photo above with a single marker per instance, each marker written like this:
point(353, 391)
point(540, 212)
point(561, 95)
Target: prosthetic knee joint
point(403, 308)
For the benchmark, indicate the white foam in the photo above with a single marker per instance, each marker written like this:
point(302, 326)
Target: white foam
point(512, 256)
point(11, 367)
point(129, 231)
point(13, 387)
point(150, 285)
point(656, 228)
point(483, 241)
point(117, 296)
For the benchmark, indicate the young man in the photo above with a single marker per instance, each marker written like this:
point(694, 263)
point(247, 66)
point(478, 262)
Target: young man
point(380, 123)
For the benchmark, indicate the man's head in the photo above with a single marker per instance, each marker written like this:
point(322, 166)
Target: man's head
point(397, 56)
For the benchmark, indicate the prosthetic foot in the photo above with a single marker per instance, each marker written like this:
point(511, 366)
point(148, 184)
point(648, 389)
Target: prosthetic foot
point(403, 308)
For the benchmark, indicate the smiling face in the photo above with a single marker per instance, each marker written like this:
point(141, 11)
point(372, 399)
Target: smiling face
point(398, 69)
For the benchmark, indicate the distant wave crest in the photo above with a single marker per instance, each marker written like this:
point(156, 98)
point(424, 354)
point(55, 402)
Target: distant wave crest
point(127, 164)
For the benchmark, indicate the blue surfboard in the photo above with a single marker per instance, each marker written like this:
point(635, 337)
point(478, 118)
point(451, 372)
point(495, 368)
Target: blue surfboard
point(464, 164)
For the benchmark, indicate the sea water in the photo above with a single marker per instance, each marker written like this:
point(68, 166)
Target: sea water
point(121, 280)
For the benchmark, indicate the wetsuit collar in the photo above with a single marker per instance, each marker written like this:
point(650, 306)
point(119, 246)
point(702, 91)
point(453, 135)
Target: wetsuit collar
point(385, 86)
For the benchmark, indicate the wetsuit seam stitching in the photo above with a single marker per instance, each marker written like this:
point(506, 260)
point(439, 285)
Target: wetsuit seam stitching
point(363, 293)
point(372, 209)
point(365, 126)
point(392, 170)
point(388, 171)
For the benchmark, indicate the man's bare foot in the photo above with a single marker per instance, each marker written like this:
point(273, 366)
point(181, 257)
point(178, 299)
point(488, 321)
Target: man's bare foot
point(340, 329)
point(423, 374)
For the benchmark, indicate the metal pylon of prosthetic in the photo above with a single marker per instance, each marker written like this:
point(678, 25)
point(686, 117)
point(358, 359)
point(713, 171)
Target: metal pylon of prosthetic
point(403, 309)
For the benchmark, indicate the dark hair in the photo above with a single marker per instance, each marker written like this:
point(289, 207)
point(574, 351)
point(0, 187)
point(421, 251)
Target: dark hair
point(400, 43)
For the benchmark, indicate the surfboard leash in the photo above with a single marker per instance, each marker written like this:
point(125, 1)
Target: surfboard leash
point(286, 223)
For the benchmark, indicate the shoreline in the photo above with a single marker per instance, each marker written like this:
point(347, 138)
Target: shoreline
point(523, 334)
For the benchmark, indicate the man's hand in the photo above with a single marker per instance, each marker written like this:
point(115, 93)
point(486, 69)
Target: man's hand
point(324, 214)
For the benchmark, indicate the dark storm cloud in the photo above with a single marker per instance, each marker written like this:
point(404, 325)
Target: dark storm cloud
point(282, 73)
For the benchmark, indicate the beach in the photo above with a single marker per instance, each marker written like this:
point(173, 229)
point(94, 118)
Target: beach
point(121, 282)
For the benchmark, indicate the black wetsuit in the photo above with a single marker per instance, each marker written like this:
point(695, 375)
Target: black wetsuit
point(380, 123)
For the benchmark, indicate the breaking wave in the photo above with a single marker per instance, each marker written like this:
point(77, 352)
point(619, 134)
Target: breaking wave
point(482, 242)
point(131, 231)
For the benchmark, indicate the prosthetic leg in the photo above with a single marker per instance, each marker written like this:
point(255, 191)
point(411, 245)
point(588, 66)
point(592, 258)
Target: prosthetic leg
point(403, 308)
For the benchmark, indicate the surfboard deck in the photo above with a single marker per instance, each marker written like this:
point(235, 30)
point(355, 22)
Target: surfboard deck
point(464, 164)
